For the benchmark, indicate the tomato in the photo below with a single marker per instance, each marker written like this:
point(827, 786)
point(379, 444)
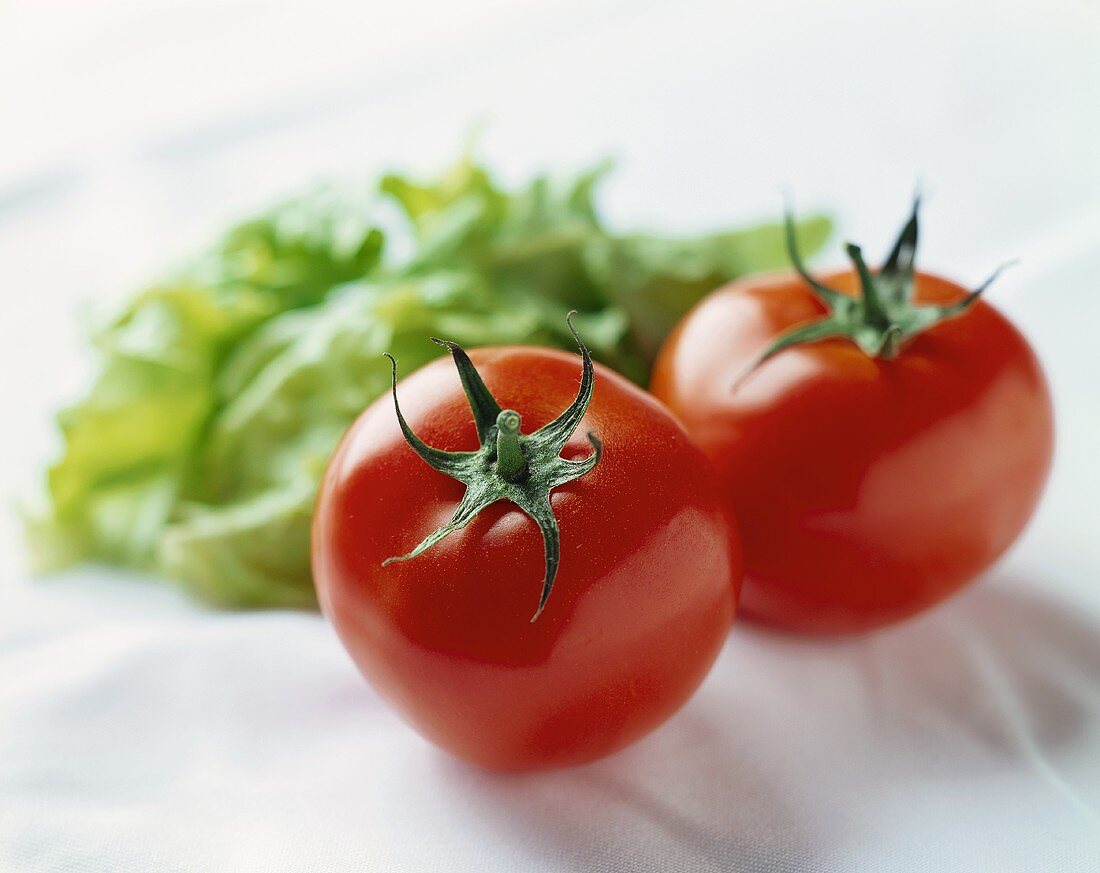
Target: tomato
point(468, 640)
point(867, 486)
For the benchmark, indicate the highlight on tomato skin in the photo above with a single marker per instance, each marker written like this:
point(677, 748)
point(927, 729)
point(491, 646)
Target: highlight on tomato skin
point(638, 610)
point(867, 487)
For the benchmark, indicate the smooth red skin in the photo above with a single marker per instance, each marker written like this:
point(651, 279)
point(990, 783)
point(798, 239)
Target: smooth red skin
point(643, 600)
point(866, 490)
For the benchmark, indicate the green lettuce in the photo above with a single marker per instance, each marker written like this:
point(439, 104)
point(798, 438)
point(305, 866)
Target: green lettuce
point(198, 450)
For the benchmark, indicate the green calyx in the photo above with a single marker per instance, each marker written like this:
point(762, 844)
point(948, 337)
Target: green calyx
point(509, 465)
point(883, 317)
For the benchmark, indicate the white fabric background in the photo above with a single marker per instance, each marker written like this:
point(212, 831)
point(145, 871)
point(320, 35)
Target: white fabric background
point(140, 732)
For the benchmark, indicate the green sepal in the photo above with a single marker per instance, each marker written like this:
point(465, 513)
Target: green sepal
point(883, 318)
point(509, 465)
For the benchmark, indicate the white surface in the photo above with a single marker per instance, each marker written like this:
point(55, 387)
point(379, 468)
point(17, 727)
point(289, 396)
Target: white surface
point(139, 732)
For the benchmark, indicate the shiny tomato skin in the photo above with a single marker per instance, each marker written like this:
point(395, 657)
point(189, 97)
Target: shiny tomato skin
point(643, 599)
point(866, 490)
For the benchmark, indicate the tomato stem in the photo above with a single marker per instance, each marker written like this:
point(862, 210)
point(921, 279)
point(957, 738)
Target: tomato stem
point(509, 465)
point(510, 461)
point(883, 318)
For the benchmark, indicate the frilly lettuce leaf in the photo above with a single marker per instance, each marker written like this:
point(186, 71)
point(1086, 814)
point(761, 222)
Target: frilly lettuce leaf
point(198, 451)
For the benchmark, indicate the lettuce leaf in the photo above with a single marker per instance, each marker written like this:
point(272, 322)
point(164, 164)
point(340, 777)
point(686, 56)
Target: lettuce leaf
point(198, 450)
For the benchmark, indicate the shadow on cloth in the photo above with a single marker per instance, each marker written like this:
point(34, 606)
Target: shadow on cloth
point(688, 797)
point(992, 680)
point(1005, 665)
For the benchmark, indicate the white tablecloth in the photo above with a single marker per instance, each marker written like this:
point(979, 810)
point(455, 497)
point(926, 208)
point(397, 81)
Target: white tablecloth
point(140, 732)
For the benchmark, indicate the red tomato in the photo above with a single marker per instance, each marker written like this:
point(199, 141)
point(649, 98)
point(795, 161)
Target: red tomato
point(642, 601)
point(866, 488)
